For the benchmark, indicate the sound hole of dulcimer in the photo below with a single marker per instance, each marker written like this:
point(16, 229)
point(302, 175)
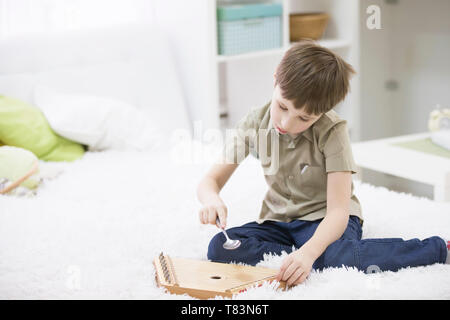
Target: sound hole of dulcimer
point(216, 277)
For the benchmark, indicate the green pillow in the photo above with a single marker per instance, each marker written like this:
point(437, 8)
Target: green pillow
point(25, 126)
point(16, 163)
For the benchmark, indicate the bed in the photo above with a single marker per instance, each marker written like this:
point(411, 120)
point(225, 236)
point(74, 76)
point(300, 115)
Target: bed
point(95, 224)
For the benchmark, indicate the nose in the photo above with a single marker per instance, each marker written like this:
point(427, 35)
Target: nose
point(285, 122)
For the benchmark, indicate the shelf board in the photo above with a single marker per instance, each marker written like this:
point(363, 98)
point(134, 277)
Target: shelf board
point(334, 43)
point(251, 55)
point(328, 43)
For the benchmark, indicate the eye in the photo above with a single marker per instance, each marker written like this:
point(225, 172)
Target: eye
point(282, 107)
point(305, 120)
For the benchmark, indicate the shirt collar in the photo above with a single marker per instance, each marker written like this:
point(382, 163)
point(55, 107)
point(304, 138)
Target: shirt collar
point(308, 134)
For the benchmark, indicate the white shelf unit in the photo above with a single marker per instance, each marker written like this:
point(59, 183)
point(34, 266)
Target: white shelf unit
point(231, 85)
point(329, 43)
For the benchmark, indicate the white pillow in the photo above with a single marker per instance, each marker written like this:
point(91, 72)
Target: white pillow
point(99, 122)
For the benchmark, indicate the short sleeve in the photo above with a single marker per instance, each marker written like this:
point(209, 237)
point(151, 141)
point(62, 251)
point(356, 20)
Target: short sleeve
point(337, 150)
point(239, 140)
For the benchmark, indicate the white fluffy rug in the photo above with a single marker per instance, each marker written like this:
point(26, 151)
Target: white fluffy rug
point(92, 232)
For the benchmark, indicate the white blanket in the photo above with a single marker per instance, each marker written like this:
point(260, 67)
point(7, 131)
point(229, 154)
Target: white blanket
point(93, 230)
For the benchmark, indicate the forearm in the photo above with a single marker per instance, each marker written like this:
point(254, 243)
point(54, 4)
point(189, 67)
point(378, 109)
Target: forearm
point(329, 230)
point(208, 190)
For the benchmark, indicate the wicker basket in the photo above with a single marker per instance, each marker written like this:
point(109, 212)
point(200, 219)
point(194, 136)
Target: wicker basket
point(307, 25)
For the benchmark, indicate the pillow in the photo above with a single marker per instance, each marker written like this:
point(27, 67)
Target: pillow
point(24, 126)
point(16, 163)
point(99, 122)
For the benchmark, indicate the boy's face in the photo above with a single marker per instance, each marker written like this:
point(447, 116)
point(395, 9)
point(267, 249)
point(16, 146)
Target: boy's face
point(286, 119)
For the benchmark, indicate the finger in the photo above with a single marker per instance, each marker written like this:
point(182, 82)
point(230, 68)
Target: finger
point(283, 268)
point(212, 214)
point(302, 278)
point(222, 212)
point(200, 215)
point(289, 271)
point(205, 216)
point(218, 222)
point(294, 277)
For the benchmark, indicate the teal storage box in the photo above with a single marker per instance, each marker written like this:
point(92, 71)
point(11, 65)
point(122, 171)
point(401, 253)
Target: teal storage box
point(248, 27)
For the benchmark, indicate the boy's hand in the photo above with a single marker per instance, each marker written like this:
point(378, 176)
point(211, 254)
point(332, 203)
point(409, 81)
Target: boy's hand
point(211, 211)
point(296, 267)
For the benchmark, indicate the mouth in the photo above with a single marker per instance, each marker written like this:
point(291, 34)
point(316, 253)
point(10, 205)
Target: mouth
point(280, 131)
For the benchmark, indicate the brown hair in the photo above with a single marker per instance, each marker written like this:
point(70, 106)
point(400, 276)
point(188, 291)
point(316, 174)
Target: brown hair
point(313, 77)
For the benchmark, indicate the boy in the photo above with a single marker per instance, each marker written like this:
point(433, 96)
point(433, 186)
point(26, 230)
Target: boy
point(307, 161)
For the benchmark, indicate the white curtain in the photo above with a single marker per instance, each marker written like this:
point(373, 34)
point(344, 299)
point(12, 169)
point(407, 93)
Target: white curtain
point(18, 17)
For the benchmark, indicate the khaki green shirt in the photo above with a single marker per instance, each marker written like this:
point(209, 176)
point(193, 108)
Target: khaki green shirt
point(294, 168)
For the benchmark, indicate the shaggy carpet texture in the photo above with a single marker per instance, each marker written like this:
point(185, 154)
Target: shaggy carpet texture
point(95, 225)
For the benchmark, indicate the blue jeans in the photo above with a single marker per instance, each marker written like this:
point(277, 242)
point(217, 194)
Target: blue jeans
point(367, 255)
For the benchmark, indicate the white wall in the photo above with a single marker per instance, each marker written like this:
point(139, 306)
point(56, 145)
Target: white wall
point(21, 17)
point(420, 52)
point(376, 112)
point(190, 28)
point(412, 49)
